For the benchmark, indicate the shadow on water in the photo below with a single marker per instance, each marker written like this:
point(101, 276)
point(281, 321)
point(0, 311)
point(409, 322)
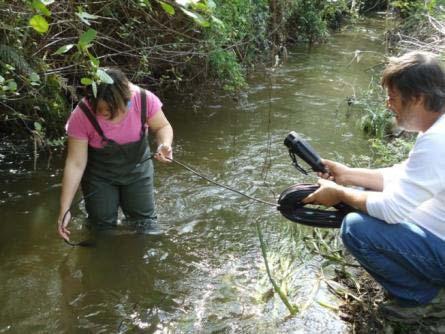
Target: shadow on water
point(205, 273)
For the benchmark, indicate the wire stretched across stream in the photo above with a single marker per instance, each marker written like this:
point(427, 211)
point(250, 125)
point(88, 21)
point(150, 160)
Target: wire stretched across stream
point(289, 204)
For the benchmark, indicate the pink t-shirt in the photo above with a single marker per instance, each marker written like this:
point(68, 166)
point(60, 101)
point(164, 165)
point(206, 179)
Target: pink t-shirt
point(125, 131)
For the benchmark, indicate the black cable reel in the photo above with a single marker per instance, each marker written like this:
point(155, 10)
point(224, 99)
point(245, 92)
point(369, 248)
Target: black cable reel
point(290, 201)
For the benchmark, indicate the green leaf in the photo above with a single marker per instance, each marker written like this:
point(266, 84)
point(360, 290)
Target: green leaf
point(12, 86)
point(189, 13)
point(94, 85)
point(93, 60)
point(63, 49)
point(211, 4)
point(2, 80)
point(85, 17)
point(196, 17)
point(34, 77)
point(39, 23)
point(87, 37)
point(167, 8)
point(40, 7)
point(38, 126)
point(86, 81)
point(104, 77)
point(144, 3)
point(217, 21)
point(201, 6)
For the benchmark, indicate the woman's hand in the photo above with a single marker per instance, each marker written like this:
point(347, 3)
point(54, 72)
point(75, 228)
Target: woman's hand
point(337, 172)
point(75, 164)
point(164, 153)
point(329, 194)
point(62, 224)
point(164, 136)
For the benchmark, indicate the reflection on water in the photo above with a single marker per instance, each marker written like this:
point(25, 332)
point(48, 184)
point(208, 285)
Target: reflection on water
point(204, 273)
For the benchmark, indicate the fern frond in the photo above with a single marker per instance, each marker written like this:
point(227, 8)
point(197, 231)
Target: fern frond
point(9, 55)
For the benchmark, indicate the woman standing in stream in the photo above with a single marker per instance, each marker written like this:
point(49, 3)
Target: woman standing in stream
point(109, 156)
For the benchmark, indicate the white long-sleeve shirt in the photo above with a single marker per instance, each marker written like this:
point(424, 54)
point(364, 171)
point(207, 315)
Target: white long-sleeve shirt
point(414, 191)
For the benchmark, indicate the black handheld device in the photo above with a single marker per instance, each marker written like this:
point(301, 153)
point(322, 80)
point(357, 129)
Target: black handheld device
point(298, 146)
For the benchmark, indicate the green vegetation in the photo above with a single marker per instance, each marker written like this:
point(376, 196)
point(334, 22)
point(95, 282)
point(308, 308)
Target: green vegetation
point(416, 29)
point(376, 121)
point(310, 20)
point(389, 153)
point(293, 309)
point(50, 50)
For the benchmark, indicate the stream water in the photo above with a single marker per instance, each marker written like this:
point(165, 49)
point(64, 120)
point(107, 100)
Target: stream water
point(205, 272)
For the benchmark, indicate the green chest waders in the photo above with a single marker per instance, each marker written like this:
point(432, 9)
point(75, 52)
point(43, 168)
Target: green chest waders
point(118, 178)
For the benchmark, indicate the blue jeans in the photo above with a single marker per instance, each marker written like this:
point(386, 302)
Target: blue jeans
point(408, 261)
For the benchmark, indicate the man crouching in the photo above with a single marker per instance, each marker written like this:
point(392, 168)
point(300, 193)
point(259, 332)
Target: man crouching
point(399, 234)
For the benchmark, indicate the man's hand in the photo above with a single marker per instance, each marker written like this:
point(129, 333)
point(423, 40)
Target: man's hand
point(337, 172)
point(164, 153)
point(329, 194)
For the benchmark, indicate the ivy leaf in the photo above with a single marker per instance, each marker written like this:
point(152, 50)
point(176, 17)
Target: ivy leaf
point(35, 79)
point(85, 17)
point(39, 23)
point(167, 8)
point(34, 76)
point(86, 81)
point(104, 77)
point(63, 49)
point(40, 7)
point(87, 37)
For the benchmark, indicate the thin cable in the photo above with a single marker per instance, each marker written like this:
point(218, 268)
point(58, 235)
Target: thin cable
point(220, 184)
point(292, 207)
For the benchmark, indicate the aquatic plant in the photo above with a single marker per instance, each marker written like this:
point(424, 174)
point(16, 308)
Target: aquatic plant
point(293, 309)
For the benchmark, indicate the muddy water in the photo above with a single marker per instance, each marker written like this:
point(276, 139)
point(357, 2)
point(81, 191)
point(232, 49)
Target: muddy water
point(205, 272)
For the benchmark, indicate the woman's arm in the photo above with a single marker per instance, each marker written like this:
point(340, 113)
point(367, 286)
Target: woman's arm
point(75, 164)
point(163, 132)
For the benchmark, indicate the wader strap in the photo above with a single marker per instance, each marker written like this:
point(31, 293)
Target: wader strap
point(143, 111)
point(93, 120)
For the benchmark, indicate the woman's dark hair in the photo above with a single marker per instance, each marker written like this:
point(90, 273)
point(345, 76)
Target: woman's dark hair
point(116, 95)
point(417, 74)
